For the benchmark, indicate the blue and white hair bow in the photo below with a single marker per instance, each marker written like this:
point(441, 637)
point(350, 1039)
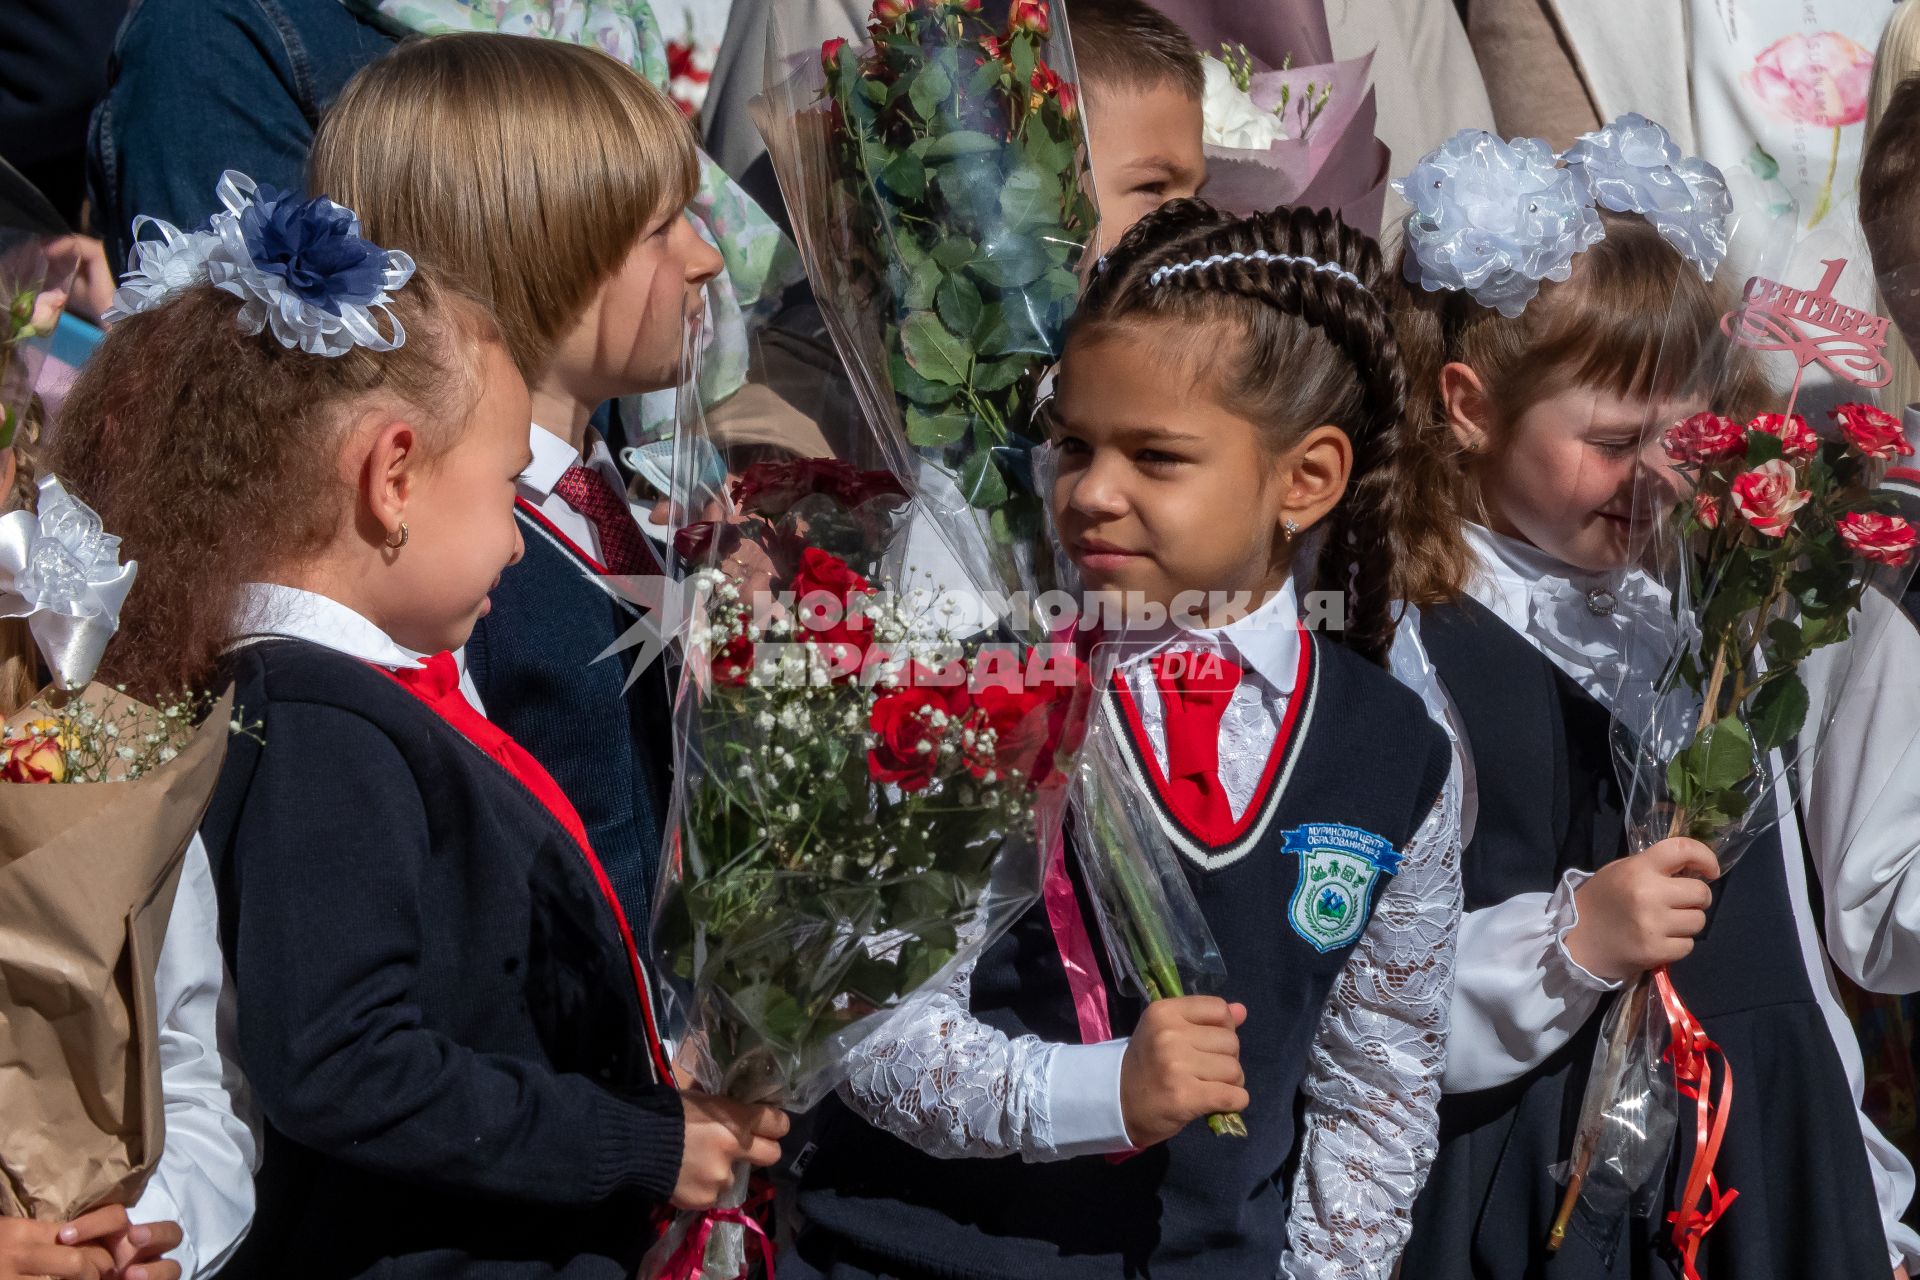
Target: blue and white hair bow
point(61, 571)
point(1494, 219)
point(299, 265)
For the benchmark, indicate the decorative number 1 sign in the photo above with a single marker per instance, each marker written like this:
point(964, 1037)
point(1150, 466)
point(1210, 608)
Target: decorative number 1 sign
point(1813, 327)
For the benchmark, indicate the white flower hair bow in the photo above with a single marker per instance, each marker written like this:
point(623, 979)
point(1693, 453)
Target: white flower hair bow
point(1494, 219)
point(61, 571)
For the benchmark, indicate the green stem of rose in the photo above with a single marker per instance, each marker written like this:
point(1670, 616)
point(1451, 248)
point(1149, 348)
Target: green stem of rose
point(1151, 948)
point(1825, 202)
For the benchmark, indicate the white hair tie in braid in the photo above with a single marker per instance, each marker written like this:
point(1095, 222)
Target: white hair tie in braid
point(1161, 274)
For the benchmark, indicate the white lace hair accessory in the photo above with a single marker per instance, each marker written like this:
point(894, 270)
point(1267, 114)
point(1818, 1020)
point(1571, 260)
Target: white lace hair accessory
point(1161, 274)
point(1634, 166)
point(1494, 219)
point(298, 265)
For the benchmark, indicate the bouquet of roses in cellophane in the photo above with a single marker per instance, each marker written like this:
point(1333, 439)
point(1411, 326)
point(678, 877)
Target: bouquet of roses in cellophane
point(858, 793)
point(937, 182)
point(1782, 563)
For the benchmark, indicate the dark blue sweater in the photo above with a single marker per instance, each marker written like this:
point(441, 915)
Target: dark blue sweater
point(535, 659)
point(436, 1011)
point(1361, 767)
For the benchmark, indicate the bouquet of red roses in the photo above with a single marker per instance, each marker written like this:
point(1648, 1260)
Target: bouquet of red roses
point(937, 180)
point(1770, 556)
point(858, 794)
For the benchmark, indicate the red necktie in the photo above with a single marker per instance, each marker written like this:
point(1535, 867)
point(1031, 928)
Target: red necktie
point(1195, 688)
point(438, 685)
point(623, 548)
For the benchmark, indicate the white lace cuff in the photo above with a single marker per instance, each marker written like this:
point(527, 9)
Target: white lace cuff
point(1562, 915)
point(1083, 1099)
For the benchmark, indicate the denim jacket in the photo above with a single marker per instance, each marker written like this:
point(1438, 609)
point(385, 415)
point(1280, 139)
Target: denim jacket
point(200, 86)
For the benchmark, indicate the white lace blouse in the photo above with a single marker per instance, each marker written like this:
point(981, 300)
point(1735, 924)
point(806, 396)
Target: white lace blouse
point(952, 1086)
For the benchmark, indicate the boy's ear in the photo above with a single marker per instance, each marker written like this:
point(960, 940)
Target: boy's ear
point(1316, 471)
point(1464, 398)
point(390, 458)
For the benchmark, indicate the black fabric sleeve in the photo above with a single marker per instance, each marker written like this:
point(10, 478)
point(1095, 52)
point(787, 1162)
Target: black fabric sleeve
point(331, 840)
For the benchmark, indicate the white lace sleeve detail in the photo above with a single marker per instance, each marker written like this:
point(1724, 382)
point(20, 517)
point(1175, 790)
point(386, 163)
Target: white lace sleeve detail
point(1371, 1124)
point(937, 1077)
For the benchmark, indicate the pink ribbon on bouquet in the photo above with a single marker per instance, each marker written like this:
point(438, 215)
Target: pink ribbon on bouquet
point(690, 1259)
point(1076, 948)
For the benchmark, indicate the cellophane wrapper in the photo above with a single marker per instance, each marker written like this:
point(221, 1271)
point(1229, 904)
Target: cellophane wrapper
point(26, 319)
point(860, 794)
point(936, 176)
point(1156, 937)
point(1781, 563)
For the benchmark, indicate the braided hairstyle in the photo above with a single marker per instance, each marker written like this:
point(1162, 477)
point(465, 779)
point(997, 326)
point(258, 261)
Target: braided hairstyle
point(1303, 292)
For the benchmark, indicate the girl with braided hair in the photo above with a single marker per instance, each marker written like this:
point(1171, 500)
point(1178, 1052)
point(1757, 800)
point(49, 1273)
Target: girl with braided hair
point(1557, 321)
point(1230, 440)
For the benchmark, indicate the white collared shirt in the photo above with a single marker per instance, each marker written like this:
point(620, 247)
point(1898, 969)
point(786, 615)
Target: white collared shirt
point(271, 609)
point(552, 455)
point(204, 1180)
point(1265, 645)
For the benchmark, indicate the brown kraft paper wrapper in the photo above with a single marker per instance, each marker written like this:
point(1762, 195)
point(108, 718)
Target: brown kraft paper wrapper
point(87, 879)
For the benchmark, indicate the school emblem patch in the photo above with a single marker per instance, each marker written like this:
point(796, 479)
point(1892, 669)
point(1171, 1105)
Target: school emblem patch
point(1338, 865)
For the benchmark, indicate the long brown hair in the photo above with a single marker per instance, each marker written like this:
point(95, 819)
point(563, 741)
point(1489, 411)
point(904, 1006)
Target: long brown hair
point(1314, 347)
point(212, 454)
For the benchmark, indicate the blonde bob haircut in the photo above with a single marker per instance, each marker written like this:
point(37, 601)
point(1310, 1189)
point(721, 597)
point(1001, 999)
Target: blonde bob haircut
point(525, 169)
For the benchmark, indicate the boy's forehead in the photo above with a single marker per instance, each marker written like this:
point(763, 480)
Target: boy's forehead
point(1146, 126)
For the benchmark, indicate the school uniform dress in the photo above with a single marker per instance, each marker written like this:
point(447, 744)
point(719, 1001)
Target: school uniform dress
point(1309, 800)
point(1527, 662)
point(536, 668)
point(441, 1009)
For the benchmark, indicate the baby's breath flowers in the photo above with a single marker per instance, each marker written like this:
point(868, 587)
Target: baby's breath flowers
point(852, 778)
point(110, 739)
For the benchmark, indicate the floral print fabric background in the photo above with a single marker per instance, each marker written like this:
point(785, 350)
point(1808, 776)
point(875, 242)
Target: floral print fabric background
point(760, 261)
point(1780, 97)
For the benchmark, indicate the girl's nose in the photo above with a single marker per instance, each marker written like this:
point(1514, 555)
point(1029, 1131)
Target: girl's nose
point(1099, 490)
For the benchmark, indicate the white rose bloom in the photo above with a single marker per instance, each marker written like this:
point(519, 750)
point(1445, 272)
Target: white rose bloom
point(1231, 118)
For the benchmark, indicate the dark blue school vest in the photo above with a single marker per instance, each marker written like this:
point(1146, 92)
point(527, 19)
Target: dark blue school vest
point(535, 661)
point(1357, 766)
point(1548, 801)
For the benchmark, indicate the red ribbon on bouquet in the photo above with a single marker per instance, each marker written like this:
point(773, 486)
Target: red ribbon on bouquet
point(1693, 1074)
point(687, 1261)
point(690, 1258)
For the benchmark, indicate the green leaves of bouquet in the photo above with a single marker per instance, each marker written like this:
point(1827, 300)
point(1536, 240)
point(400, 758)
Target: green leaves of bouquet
point(1786, 530)
point(963, 147)
point(849, 772)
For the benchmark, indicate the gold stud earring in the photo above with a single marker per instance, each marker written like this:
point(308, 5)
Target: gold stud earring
point(405, 533)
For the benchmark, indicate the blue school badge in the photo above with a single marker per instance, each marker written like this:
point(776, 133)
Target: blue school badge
point(1338, 865)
